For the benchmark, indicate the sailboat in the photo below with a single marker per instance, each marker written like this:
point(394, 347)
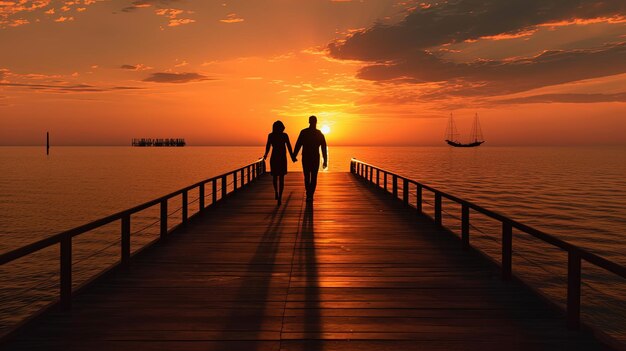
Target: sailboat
point(452, 135)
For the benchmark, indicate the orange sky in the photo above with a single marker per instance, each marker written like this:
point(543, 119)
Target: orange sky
point(381, 72)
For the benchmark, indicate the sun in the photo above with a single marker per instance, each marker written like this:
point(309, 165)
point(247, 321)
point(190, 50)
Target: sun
point(325, 129)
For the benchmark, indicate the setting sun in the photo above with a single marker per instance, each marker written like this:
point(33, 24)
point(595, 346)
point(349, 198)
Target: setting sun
point(325, 129)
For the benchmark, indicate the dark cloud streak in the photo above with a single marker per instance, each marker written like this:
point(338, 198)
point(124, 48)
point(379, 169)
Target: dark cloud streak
point(503, 77)
point(166, 77)
point(407, 52)
point(460, 20)
point(138, 4)
point(77, 88)
point(565, 98)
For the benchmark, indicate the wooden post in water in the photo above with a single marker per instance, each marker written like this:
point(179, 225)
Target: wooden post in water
point(47, 143)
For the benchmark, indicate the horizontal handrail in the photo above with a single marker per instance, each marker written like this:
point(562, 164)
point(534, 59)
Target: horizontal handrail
point(57, 238)
point(575, 253)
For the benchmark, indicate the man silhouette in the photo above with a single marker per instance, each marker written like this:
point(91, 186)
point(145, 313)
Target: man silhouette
point(310, 140)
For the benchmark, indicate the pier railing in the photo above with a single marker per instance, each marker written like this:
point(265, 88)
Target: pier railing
point(389, 181)
point(223, 184)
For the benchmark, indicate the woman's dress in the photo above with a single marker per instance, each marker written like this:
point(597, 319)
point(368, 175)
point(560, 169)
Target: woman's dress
point(278, 160)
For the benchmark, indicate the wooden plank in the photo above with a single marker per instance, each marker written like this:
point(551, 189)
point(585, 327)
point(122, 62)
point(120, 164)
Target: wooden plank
point(356, 271)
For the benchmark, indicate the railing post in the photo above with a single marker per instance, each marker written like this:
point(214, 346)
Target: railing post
point(163, 218)
point(214, 191)
point(234, 180)
point(248, 172)
point(224, 187)
point(395, 186)
point(465, 220)
point(263, 168)
point(185, 206)
point(507, 250)
point(385, 180)
point(241, 178)
point(377, 177)
point(125, 241)
point(371, 174)
point(418, 200)
point(201, 197)
point(573, 289)
point(405, 191)
point(438, 208)
point(66, 273)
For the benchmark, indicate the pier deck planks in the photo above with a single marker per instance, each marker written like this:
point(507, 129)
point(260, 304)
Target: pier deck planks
point(354, 272)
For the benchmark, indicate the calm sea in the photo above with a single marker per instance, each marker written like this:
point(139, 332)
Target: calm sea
point(575, 193)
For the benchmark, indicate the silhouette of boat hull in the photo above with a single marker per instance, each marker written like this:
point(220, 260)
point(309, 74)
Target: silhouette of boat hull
point(456, 144)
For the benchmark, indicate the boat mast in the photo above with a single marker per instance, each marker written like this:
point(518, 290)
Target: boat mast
point(451, 131)
point(477, 134)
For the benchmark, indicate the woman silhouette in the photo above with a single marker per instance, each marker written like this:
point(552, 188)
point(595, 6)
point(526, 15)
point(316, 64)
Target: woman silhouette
point(279, 141)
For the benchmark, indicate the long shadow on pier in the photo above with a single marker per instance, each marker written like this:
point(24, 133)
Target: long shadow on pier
point(259, 278)
point(307, 264)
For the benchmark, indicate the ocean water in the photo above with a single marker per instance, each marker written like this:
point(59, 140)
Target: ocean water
point(575, 193)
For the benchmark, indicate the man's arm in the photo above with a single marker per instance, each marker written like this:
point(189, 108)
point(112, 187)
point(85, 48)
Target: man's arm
point(324, 151)
point(298, 146)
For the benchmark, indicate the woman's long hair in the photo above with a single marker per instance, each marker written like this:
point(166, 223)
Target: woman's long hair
point(278, 127)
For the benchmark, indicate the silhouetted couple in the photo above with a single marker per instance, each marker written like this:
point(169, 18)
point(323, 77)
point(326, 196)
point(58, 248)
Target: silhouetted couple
point(310, 140)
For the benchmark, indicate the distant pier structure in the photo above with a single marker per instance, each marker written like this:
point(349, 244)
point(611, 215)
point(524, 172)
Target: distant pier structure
point(176, 142)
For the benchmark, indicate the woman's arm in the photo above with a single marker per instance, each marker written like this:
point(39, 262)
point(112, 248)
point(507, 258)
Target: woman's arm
point(267, 147)
point(293, 157)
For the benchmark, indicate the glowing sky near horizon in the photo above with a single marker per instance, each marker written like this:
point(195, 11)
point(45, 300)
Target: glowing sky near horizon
point(380, 72)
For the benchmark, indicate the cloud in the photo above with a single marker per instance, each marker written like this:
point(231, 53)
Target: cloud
point(565, 98)
point(12, 12)
point(461, 20)
point(64, 19)
point(411, 52)
point(64, 88)
point(139, 4)
point(232, 18)
point(179, 22)
point(167, 77)
point(497, 77)
point(137, 67)
point(173, 14)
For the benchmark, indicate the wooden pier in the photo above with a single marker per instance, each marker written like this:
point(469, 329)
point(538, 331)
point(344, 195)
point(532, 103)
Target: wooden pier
point(357, 270)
